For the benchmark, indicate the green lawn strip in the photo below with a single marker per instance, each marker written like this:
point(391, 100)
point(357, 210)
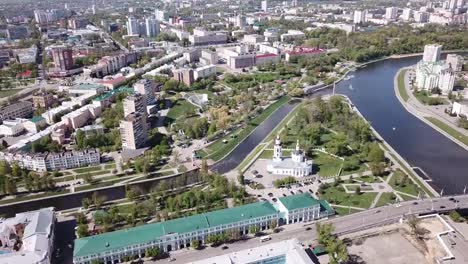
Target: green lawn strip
point(335, 195)
point(406, 197)
point(204, 91)
point(362, 168)
point(410, 188)
point(96, 173)
point(109, 166)
point(66, 178)
point(328, 166)
point(424, 98)
point(278, 128)
point(345, 211)
point(449, 130)
point(219, 149)
point(368, 179)
point(97, 185)
point(401, 86)
point(385, 199)
point(166, 173)
point(34, 196)
point(87, 169)
point(10, 92)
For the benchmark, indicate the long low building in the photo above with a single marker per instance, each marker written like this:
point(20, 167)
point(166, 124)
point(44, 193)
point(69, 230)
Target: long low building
point(179, 233)
point(53, 161)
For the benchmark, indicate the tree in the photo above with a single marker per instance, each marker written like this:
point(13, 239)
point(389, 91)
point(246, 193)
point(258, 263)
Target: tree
point(195, 244)
point(253, 229)
point(241, 178)
point(98, 200)
point(132, 194)
point(376, 154)
point(82, 230)
point(377, 168)
point(358, 190)
point(233, 234)
point(273, 224)
point(152, 252)
point(86, 203)
point(337, 252)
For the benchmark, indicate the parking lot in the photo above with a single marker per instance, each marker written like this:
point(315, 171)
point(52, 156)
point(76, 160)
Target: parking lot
point(272, 194)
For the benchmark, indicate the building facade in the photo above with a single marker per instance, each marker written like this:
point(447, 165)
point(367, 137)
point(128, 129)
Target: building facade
point(43, 100)
point(148, 89)
point(63, 58)
point(21, 109)
point(53, 161)
point(133, 131)
point(180, 233)
point(297, 165)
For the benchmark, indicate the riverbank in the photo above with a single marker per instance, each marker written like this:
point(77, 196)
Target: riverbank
point(413, 106)
point(398, 159)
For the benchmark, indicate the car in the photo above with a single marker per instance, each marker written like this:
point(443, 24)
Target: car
point(274, 200)
point(292, 192)
point(378, 211)
point(306, 183)
point(442, 206)
point(301, 185)
point(300, 191)
point(415, 203)
point(270, 194)
point(311, 191)
point(308, 228)
point(263, 199)
point(284, 195)
point(451, 199)
point(171, 259)
point(224, 247)
point(259, 195)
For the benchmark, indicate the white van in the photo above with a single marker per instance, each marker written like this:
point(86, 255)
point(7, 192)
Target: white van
point(265, 238)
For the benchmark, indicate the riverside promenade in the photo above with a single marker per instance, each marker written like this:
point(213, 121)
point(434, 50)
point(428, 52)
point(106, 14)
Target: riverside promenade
point(423, 112)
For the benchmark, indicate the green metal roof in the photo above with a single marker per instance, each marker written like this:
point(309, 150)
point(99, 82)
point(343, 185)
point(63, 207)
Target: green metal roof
point(240, 213)
point(114, 92)
point(146, 233)
point(298, 201)
point(324, 206)
point(36, 119)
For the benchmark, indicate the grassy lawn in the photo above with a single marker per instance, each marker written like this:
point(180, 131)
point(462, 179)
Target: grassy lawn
point(98, 185)
point(87, 169)
point(413, 176)
point(96, 173)
point(204, 91)
point(327, 166)
point(406, 197)
point(345, 211)
point(425, 98)
point(218, 150)
point(409, 188)
point(109, 166)
point(449, 130)
point(385, 199)
point(6, 93)
point(369, 179)
point(278, 128)
point(180, 108)
point(337, 195)
point(401, 86)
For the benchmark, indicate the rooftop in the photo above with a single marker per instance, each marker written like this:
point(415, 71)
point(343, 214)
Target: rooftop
point(298, 201)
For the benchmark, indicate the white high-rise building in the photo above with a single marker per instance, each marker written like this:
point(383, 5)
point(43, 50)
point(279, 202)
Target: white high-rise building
point(460, 3)
point(359, 16)
point(147, 88)
point(132, 26)
point(264, 5)
point(421, 17)
point(161, 15)
point(391, 13)
point(406, 15)
point(152, 27)
point(432, 53)
point(455, 61)
point(240, 21)
point(93, 8)
point(452, 4)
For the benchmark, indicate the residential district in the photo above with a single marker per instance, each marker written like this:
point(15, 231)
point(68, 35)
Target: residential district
point(231, 131)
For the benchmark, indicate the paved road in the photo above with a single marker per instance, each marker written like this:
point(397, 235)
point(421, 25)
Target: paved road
point(343, 225)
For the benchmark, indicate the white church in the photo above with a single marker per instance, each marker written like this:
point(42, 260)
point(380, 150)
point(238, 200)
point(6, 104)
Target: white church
point(297, 165)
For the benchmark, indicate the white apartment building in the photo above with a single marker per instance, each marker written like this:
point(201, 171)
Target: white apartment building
point(204, 71)
point(132, 26)
point(421, 16)
point(209, 57)
point(20, 109)
point(359, 17)
point(12, 128)
point(133, 131)
point(292, 35)
point(432, 53)
point(148, 89)
point(53, 161)
point(152, 27)
point(391, 13)
point(253, 39)
point(203, 37)
point(455, 61)
point(406, 15)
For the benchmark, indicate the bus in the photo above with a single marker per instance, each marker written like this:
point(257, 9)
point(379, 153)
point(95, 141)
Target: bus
point(265, 238)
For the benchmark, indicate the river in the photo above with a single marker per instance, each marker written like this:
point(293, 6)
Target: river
point(372, 92)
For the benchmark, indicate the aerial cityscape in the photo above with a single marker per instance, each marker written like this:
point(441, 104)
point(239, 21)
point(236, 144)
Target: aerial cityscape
point(233, 132)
